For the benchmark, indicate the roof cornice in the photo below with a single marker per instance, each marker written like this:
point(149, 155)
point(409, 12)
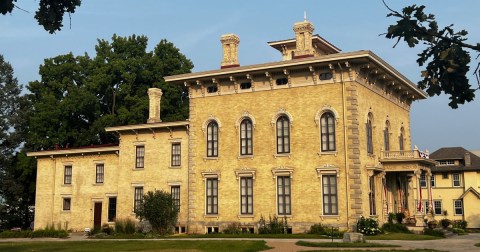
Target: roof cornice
point(147, 126)
point(87, 150)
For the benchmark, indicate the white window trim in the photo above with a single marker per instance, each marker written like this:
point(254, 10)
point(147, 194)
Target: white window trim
point(454, 208)
point(459, 180)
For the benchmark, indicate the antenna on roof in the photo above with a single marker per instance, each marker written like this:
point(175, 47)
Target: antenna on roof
point(304, 15)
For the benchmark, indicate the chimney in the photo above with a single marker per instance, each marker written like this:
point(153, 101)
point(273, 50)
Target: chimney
point(154, 96)
point(230, 50)
point(468, 161)
point(303, 36)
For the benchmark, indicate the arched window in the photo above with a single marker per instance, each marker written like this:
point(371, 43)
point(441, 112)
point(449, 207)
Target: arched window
point(369, 134)
point(212, 139)
point(400, 138)
point(283, 135)
point(246, 137)
point(386, 136)
point(327, 125)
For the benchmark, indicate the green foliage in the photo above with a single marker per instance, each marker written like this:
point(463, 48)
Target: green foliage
point(232, 228)
point(462, 224)
point(107, 229)
point(273, 226)
point(395, 228)
point(49, 14)
point(459, 231)
point(342, 244)
point(432, 224)
point(433, 232)
point(321, 229)
point(368, 226)
point(160, 210)
point(446, 55)
point(445, 222)
point(47, 232)
point(125, 226)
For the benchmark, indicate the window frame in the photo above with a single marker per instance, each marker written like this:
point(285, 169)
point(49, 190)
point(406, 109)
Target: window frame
point(137, 197)
point(401, 142)
point(435, 207)
point(282, 132)
point(455, 181)
point(371, 196)
point(284, 198)
point(329, 191)
point(99, 173)
point(211, 197)
point(246, 196)
point(112, 209)
point(139, 156)
point(212, 139)
point(423, 180)
point(433, 181)
point(176, 155)
point(386, 137)
point(455, 207)
point(369, 134)
point(328, 131)
point(67, 174)
point(175, 192)
point(246, 140)
point(67, 204)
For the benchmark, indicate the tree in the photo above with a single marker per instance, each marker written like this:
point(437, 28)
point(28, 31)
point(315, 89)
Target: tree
point(447, 55)
point(49, 14)
point(78, 96)
point(160, 210)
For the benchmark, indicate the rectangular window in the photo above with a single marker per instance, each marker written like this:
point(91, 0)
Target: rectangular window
point(176, 156)
point(99, 173)
point(423, 181)
point(437, 206)
point(456, 179)
point(175, 191)
point(329, 186)
point(67, 178)
point(112, 209)
point(67, 204)
point(246, 195)
point(284, 195)
point(212, 196)
point(458, 205)
point(446, 162)
point(432, 180)
point(444, 175)
point(371, 197)
point(138, 198)
point(139, 156)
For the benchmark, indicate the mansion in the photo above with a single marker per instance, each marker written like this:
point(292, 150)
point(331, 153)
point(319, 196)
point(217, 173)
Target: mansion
point(321, 136)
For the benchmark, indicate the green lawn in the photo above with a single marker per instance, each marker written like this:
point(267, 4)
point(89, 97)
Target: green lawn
point(342, 244)
point(412, 250)
point(269, 236)
point(402, 236)
point(143, 245)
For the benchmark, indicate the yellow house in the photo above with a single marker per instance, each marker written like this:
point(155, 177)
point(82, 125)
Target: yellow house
point(320, 136)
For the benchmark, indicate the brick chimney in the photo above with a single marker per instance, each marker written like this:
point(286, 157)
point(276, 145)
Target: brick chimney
point(154, 96)
point(303, 36)
point(468, 161)
point(230, 50)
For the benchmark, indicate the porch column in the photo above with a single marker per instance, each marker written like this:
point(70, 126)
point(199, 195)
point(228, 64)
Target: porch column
point(384, 198)
point(428, 176)
point(418, 215)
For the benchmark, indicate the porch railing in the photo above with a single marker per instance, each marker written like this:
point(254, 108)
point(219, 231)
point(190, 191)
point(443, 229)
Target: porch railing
point(405, 154)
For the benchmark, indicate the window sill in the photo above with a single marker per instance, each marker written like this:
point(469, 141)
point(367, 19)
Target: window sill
point(211, 216)
point(282, 155)
point(245, 157)
point(210, 158)
point(138, 169)
point(329, 153)
point(285, 216)
point(329, 217)
point(246, 216)
point(66, 211)
point(97, 184)
point(175, 167)
point(67, 185)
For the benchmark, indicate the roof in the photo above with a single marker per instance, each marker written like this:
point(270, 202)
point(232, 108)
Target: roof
point(364, 56)
point(316, 40)
point(76, 150)
point(470, 189)
point(455, 153)
point(147, 126)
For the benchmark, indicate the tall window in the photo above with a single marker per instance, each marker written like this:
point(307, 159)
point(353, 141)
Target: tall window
point(432, 180)
point(458, 205)
point(246, 142)
point(99, 173)
point(327, 125)
point(212, 139)
point(284, 195)
point(67, 202)
point(140, 156)
point(423, 181)
point(176, 154)
point(386, 136)
point(330, 203)
point(138, 198)
point(456, 179)
point(175, 190)
point(371, 196)
point(437, 206)
point(212, 196)
point(246, 195)
point(400, 138)
point(112, 209)
point(67, 175)
point(283, 135)
point(369, 134)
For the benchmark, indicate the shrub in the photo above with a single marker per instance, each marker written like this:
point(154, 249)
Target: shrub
point(35, 234)
point(160, 210)
point(368, 226)
point(395, 228)
point(233, 228)
point(445, 223)
point(392, 217)
point(432, 224)
point(459, 224)
point(458, 231)
point(400, 217)
point(124, 226)
point(273, 226)
point(433, 232)
point(107, 229)
point(321, 229)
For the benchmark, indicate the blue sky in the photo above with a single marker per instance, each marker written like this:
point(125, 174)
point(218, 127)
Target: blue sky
point(195, 28)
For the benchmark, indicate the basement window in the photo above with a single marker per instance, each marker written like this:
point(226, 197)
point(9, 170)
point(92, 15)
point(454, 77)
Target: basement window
point(212, 89)
point(325, 76)
point(245, 85)
point(282, 81)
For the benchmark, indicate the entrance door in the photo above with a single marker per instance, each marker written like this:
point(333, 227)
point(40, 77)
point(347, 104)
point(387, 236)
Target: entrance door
point(97, 215)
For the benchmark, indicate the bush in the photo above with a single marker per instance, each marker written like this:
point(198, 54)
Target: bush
point(395, 228)
point(273, 226)
point(432, 224)
point(458, 231)
point(233, 228)
point(459, 224)
point(124, 226)
point(445, 223)
point(325, 230)
point(160, 210)
point(107, 229)
point(433, 232)
point(400, 217)
point(368, 226)
point(52, 233)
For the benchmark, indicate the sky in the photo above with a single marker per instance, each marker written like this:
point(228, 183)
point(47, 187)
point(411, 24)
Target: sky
point(195, 28)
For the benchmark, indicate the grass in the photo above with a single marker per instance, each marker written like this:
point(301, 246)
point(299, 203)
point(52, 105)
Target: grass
point(209, 236)
point(144, 245)
point(342, 244)
point(390, 250)
point(402, 236)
